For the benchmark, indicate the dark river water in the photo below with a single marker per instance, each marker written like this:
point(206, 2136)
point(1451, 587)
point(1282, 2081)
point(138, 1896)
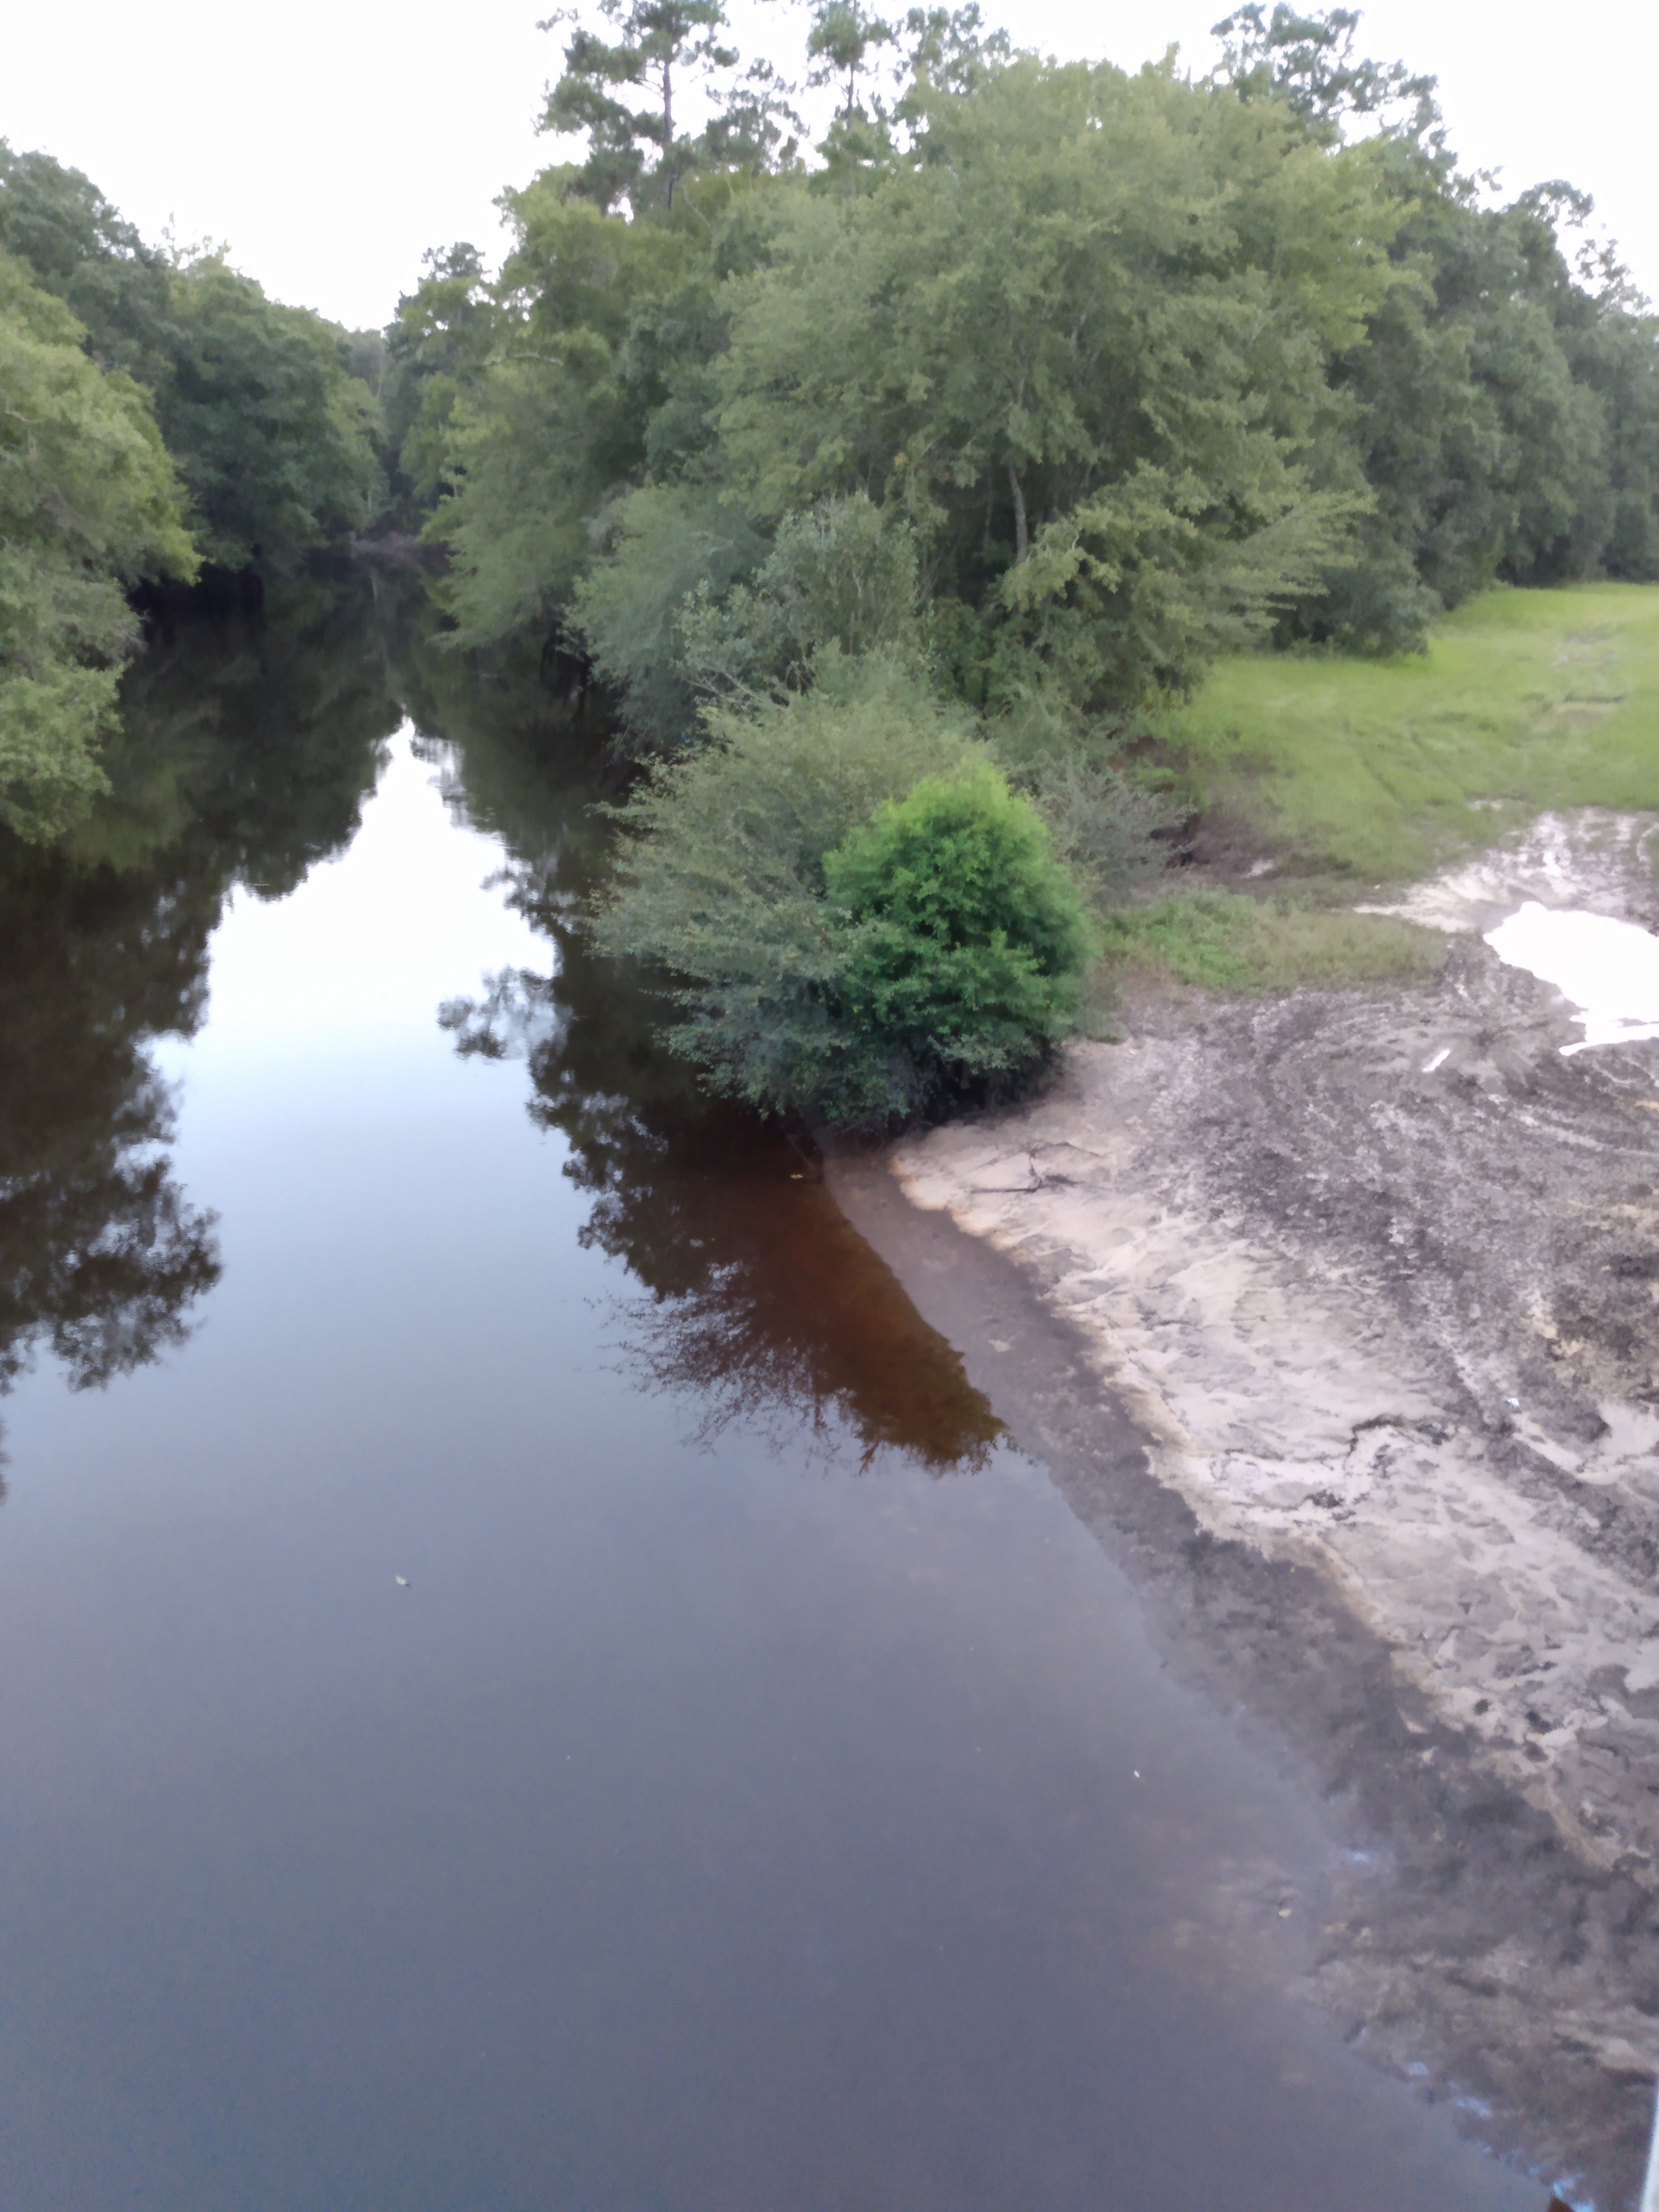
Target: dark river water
point(531, 1680)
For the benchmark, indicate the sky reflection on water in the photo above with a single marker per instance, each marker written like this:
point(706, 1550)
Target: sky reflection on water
point(760, 1792)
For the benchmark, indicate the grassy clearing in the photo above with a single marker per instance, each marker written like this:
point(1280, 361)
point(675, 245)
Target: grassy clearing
point(1382, 770)
point(1221, 941)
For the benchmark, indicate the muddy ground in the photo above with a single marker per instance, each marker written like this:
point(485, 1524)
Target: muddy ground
point(1354, 1361)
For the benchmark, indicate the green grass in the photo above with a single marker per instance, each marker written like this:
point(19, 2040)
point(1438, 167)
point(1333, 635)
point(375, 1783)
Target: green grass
point(1382, 770)
point(1223, 942)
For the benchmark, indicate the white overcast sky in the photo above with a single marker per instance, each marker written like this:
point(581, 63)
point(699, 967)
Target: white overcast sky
point(329, 145)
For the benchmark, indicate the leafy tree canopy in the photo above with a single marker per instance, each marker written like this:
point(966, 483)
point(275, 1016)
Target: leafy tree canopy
point(664, 48)
point(274, 439)
point(1309, 62)
point(1049, 383)
point(89, 504)
point(273, 435)
point(1147, 367)
point(155, 409)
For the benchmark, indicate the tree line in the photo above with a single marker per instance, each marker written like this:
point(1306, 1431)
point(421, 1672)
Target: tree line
point(1141, 367)
point(159, 416)
point(878, 490)
point(884, 493)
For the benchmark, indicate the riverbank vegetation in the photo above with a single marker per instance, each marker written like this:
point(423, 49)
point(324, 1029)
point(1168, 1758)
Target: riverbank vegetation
point(1050, 464)
point(866, 921)
point(1214, 939)
point(1039, 394)
point(89, 502)
point(158, 414)
point(1317, 777)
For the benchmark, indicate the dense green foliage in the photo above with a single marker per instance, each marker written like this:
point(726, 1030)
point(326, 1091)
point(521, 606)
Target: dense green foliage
point(1044, 340)
point(87, 504)
point(273, 433)
point(158, 411)
point(438, 342)
point(667, 627)
point(1145, 367)
point(274, 438)
point(1047, 386)
point(967, 937)
point(866, 923)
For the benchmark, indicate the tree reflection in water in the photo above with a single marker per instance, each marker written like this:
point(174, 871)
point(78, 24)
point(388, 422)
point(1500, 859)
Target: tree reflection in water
point(249, 745)
point(100, 1253)
point(247, 748)
point(761, 1299)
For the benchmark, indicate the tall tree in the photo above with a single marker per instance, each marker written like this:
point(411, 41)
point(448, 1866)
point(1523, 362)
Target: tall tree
point(1309, 62)
point(437, 342)
point(844, 36)
point(1083, 346)
point(665, 48)
point(84, 250)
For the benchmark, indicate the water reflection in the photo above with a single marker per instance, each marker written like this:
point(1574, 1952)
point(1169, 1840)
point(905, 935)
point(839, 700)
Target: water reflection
point(100, 1253)
point(760, 1299)
point(654, 1821)
point(763, 1301)
point(247, 748)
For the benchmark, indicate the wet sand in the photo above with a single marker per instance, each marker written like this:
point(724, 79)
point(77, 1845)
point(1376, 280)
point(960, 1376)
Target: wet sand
point(1336, 1318)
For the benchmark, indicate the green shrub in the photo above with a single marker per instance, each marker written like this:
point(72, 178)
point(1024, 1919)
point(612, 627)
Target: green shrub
point(969, 940)
point(945, 953)
point(629, 610)
point(691, 606)
point(840, 578)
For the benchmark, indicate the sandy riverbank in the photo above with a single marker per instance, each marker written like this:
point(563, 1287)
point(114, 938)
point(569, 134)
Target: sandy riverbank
point(1338, 1317)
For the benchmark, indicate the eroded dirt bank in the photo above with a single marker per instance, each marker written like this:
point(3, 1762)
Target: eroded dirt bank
point(1337, 1316)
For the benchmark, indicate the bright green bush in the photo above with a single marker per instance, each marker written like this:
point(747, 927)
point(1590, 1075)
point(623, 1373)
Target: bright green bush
point(943, 956)
point(968, 939)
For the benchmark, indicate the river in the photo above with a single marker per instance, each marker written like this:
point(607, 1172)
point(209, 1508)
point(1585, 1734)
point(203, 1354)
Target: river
point(531, 1679)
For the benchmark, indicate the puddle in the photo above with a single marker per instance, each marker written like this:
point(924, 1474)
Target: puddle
point(1609, 969)
point(1590, 860)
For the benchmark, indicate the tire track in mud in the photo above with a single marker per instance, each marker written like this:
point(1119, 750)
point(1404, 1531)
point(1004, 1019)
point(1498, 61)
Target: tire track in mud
point(1387, 1339)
